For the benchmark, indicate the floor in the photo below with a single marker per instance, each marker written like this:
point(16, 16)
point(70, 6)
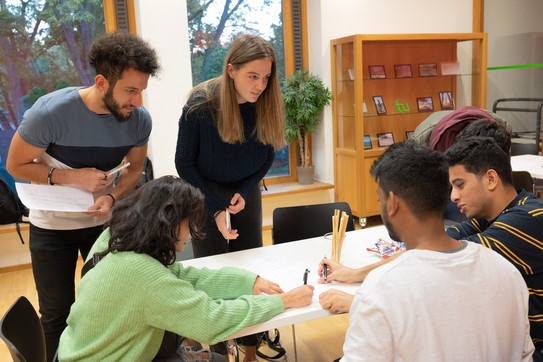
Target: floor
point(319, 340)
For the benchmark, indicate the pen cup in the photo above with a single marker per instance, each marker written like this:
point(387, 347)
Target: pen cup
point(334, 247)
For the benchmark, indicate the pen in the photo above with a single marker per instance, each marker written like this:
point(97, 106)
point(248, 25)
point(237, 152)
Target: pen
point(117, 169)
point(324, 271)
point(228, 225)
point(305, 276)
point(227, 221)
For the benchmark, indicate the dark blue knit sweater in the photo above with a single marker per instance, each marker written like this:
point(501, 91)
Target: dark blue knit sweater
point(202, 155)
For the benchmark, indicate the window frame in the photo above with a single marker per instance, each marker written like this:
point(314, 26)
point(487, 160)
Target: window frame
point(111, 25)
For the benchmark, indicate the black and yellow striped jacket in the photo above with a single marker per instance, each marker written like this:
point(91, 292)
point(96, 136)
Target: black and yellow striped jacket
point(517, 234)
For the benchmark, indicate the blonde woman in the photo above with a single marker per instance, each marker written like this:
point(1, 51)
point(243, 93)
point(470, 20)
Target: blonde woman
point(229, 132)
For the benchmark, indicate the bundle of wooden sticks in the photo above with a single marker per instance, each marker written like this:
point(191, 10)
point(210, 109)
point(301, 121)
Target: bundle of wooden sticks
point(338, 234)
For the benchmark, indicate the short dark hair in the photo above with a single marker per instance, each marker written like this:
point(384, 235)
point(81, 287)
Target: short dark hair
point(416, 174)
point(147, 220)
point(478, 155)
point(113, 53)
point(498, 130)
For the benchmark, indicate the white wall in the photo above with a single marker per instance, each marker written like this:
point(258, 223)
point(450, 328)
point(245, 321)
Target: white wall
point(164, 25)
point(515, 43)
point(330, 19)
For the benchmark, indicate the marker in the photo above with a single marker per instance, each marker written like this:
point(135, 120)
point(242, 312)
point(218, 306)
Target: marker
point(324, 271)
point(305, 276)
point(117, 169)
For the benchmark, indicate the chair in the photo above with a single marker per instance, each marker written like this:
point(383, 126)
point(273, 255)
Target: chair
point(523, 180)
point(307, 221)
point(302, 222)
point(524, 149)
point(21, 329)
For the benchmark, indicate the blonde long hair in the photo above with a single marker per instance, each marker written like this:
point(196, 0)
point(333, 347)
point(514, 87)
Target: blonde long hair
point(220, 94)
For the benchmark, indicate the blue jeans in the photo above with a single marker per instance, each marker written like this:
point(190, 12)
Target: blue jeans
point(54, 256)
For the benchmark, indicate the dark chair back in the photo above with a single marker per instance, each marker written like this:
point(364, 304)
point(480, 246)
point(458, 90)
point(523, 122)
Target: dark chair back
point(307, 221)
point(21, 329)
point(523, 180)
point(524, 149)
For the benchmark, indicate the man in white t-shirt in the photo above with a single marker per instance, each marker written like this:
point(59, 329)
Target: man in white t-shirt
point(443, 299)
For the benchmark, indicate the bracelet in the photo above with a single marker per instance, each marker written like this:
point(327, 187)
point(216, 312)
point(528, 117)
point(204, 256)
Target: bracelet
point(217, 214)
point(49, 176)
point(112, 198)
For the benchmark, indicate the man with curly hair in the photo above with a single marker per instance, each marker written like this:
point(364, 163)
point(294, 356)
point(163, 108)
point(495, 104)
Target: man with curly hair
point(75, 136)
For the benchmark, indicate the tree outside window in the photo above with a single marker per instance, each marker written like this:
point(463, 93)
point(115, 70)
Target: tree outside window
point(44, 46)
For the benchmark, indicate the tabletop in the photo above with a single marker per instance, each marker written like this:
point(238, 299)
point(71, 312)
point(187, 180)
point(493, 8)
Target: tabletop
point(285, 264)
point(531, 163)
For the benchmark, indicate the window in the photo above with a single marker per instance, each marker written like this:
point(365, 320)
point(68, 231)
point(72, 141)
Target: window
point(46, 48)
point(212, 27)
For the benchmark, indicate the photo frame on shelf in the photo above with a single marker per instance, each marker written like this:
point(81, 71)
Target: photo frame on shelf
point(425, 104)
point(379, 105)
point(450, 68)
point(428, 70)
point(377, 72)
point(385, 139)
point(367, 142)
point(446, 100)
point(408, 134)
point(403, 71)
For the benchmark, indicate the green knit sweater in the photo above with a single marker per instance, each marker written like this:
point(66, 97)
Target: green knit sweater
point(127, 300)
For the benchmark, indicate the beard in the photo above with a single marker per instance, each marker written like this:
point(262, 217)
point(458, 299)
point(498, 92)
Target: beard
point(114, 107)
point(391, 232)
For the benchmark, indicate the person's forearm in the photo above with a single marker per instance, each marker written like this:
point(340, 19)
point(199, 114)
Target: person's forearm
point(360, 274)
point(126, 182)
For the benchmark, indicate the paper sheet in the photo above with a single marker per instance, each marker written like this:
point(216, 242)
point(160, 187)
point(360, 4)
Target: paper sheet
point(54, 198)
point(288, 274)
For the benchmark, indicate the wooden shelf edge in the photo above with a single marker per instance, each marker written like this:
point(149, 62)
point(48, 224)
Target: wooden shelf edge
point(290, 188)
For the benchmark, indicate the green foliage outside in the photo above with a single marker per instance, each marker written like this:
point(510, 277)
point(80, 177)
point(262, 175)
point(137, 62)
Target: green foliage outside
point(305, 97)
point(209, 43)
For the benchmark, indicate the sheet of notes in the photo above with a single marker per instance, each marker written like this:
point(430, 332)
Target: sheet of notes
point(54, 198)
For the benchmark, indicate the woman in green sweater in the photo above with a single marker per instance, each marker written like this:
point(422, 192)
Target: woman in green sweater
point(137, 291)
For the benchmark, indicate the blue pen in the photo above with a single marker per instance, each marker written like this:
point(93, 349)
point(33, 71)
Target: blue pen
point(227, 221)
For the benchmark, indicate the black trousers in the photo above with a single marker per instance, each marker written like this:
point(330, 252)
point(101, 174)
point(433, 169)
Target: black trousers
point(54, 256)
point(248, 222)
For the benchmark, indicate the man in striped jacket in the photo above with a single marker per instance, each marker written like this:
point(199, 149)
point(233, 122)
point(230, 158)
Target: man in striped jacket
point(501, 218)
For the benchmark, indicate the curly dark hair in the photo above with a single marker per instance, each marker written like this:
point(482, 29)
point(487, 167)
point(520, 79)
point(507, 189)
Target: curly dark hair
point(480, 154)
point(417, 174)
point(500, 131)
point(113, 53)
point(148, 219)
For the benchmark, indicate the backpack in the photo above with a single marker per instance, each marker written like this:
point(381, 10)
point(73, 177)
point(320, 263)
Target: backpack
point(146, 172)
point(12, 209)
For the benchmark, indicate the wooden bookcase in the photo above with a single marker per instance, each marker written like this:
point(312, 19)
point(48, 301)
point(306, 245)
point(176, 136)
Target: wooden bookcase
point(454, 63)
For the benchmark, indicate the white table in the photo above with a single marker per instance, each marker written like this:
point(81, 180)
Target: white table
point(286, 263)
point(531, 163)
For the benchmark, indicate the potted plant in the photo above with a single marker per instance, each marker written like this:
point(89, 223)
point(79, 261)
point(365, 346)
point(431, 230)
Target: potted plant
point(305, 96)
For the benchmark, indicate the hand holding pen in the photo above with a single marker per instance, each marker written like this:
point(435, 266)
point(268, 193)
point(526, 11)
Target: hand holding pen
point(335, 271)
point(220, 221)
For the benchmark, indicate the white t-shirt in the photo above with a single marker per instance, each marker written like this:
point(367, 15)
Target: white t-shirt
point(469, 304)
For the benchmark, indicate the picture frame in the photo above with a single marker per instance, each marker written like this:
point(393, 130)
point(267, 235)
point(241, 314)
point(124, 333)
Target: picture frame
point(408, 134)
point(377, 72)
point(403, 71)
point(428, 70)
point(367, 142)
point(425, 104)
point(385, 139)
point(446, 100)
point(379, 105)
